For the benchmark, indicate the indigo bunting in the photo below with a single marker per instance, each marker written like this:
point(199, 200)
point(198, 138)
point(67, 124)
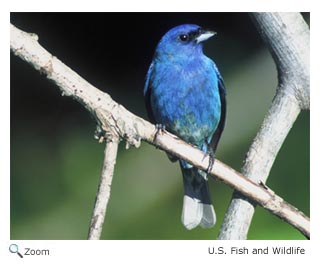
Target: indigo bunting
point(184, 92)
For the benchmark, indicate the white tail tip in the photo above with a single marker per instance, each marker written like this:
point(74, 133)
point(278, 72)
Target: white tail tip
point(194, 213)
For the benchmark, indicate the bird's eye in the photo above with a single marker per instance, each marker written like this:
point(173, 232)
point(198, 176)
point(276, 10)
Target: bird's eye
point(184, 37)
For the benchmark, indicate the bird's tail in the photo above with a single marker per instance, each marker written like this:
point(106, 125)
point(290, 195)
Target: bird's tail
point(197, 207)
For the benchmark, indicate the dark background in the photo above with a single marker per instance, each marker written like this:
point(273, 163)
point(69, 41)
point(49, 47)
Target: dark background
point(56, 162)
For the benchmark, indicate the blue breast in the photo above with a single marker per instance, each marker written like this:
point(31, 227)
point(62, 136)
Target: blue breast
point(185, 98)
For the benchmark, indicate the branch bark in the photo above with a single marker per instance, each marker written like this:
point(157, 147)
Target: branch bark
point(113, 117)
point(287, 37)
point(103, 194)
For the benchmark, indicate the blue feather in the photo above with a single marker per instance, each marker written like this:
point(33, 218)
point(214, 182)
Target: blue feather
point(184, 91)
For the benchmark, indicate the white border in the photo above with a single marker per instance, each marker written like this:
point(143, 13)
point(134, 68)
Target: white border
point(154, 251)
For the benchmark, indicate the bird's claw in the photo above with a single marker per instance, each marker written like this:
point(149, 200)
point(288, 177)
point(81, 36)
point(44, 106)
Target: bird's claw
point(211, 160)
point(159, 128)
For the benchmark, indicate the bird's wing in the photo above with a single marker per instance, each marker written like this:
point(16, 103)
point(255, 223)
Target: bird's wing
point(147, 94)
point(217, 134)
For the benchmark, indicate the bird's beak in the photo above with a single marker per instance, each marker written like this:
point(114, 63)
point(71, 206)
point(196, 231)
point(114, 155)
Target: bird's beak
point(205, 35)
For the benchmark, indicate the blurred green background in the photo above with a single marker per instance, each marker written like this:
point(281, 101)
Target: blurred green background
point(56, 162)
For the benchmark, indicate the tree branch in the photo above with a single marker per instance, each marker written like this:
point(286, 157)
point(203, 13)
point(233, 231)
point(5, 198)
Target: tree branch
point(113, 117)
point(103, 194)
point(287, 36)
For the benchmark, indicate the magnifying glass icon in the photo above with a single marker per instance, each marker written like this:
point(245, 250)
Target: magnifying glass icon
point(13, 248)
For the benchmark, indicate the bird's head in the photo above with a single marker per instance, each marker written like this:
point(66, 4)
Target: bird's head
point(183, 41)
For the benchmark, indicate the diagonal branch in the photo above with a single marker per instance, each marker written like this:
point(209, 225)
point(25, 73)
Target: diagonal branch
point(112, 116)
point(287, 36)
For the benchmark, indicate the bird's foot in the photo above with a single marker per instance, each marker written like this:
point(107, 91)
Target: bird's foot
point(211, 155)
point(160, 128)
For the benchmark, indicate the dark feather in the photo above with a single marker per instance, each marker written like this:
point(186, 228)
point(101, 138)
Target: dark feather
point(217, 134)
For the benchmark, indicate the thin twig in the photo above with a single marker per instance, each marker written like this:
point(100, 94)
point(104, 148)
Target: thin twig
point(112, 116)
point(103, 194)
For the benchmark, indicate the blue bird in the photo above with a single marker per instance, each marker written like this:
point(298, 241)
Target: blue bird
point(184, 92)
